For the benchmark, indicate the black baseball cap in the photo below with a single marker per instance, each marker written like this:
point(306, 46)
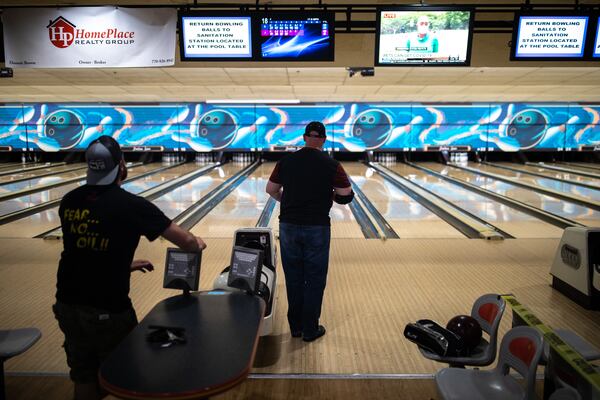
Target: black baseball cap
point(103, 156)
point(315, 126)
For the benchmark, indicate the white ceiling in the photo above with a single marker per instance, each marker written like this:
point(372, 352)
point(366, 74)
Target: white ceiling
point(457, 84)
point(491, 79)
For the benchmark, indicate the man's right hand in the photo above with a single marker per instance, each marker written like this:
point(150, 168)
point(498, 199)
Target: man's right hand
point(183, 239)
point(201, 243)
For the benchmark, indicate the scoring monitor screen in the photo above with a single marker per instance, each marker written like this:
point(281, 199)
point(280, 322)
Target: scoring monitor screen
point(296, 37)
point(426, 37)
point(215, 37)
point(245, 268)
point(549, 37)
point(182, 270)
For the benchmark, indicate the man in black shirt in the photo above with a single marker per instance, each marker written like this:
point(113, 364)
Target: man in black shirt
point(306, 183)
point(102, 225)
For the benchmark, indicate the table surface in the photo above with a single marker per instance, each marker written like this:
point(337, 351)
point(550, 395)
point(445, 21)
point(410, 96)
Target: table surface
point(221, 331)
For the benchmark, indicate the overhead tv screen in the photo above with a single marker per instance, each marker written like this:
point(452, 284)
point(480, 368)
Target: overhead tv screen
point(307, 36)
point(212, 37)
point(423, 37)
point(596, 52)
point(549, 37)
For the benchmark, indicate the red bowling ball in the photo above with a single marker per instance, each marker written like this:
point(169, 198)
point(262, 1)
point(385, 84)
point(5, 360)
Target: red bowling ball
point(467, 328)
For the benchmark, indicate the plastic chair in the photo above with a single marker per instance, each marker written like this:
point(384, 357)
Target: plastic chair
point(521, 349)
point(12, 343)
point(488, 311)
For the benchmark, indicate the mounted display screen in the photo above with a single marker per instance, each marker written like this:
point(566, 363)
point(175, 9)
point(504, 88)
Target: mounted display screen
point(549, 37)
point(296, 37)
point(427, 36)
point(209, 37)
point(246, 266)
point(596, 52)
point(182, 269)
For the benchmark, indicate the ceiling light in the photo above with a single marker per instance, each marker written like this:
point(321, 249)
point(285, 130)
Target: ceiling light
point(253, 101)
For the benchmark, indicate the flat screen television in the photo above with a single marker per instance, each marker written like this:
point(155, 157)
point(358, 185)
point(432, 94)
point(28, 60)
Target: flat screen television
point(423, 36)
point(549, 36)
point(596, 49)
point(299, 36)
point(210, 36)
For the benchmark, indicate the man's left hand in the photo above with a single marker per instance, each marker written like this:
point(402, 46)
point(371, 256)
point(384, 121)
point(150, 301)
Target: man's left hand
point(142, 265)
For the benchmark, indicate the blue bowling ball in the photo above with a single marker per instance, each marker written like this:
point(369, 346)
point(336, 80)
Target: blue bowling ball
point(373, 127)
point(219, 127)
point(528, 128)
point(65, 127)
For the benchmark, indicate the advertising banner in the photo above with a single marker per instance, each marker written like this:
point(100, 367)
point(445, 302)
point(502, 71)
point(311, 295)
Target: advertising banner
point(89, 37)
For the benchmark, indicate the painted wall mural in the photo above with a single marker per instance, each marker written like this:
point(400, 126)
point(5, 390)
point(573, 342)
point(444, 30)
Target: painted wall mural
point(353, 127)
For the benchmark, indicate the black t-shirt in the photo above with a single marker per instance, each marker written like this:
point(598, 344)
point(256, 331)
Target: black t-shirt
point(308, 177)
point(101, 228)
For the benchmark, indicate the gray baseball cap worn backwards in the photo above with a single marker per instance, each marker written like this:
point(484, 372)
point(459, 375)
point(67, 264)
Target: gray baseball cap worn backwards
point(103, 156)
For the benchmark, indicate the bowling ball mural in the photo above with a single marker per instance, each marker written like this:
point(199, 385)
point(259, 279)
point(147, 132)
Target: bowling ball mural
point(64, 126)
point(527, 127)
point(219, 127)
point(373, 127)
point(354, 127)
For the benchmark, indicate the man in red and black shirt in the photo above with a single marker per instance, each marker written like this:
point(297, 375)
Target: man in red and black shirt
point(306, 183)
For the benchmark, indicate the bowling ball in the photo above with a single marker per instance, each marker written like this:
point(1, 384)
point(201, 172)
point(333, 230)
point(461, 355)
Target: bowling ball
point(219, 127)
point(527, 127)
point(467, 328)
point(373, 127)
point(65, 127)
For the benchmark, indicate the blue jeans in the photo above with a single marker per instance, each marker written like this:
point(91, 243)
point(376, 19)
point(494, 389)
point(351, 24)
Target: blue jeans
point(305, 259)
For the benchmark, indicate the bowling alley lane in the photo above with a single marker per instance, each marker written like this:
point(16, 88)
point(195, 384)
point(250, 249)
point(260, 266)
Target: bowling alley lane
point(41, 222)
point(568, 188)
point(581, 166)
point(178, 200)
point(35, 173)
point(406, 216)
point(5, 166)
point(555, 174)
point(574, 212)
point(60, 175)
point(240, 209)
point(514, 222)
point(43, 196)
point(343, 223)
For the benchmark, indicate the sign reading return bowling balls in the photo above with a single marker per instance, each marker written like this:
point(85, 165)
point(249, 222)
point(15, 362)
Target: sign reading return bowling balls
point(65, 127)
point(528, 128)
point(219, 127)
point(373, 127)
point(467, 328)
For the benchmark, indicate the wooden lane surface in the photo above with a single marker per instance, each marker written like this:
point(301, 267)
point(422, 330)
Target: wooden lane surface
point(33, 174)
point(575, 212)
point(515, 222)
point(407, 216)
point(567, 188)
point(240, 209)
point(43, 221)
point(539, 169)
point(374, 288)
